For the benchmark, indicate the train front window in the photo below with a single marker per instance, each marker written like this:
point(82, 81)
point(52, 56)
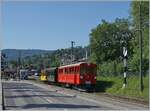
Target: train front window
point(88, 70)
point(92, 70)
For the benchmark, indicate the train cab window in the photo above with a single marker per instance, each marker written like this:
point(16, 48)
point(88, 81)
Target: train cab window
point(91, 70)
point(88, 70)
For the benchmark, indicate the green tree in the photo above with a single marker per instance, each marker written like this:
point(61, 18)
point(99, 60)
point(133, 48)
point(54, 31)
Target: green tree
point(106, 43)
point(135, 15)
point(107, 40)
point(14, 63)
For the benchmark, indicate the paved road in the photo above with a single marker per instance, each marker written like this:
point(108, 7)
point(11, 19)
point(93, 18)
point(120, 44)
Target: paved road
point(24, 95)
point(19, 95)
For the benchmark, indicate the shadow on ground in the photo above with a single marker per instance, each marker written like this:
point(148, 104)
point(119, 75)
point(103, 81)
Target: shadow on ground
point(101, 86)
point(52, 105)
point(31, 96)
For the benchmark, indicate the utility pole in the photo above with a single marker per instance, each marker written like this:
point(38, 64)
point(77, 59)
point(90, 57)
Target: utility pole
point(19, 64)
point(140, 49)
point(86, 55)
point(72, 52)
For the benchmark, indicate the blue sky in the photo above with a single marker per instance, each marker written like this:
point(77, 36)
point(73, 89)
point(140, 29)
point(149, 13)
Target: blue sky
point(53, 25)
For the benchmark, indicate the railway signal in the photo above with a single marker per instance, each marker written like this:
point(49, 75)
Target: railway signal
point(125, 66)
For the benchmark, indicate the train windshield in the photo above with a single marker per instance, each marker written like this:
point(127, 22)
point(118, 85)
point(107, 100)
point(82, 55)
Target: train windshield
point(88, 70)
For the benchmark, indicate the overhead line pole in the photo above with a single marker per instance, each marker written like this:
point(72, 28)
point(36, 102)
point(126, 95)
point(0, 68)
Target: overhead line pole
point(72, 52)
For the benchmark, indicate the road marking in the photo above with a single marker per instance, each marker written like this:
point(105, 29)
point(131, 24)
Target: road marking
point(62, 92)
point(50, 101)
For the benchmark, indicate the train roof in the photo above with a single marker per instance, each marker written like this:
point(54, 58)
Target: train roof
point(76, 64)
point(52, 68)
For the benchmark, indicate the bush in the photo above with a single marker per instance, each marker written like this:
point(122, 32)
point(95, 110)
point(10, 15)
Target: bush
point(111, 68)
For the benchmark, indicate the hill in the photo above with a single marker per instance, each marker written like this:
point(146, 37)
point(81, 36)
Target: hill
point(13, 54)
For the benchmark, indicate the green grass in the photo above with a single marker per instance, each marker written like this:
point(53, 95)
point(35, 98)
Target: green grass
point(113, 85)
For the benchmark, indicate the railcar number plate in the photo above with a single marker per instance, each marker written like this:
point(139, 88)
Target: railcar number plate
point(87, 82)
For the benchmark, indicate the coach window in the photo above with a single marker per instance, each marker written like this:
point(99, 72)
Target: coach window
point(72, 70)
point(59, 70)
point(64, 71)
point(69, 70)
point(75, 70)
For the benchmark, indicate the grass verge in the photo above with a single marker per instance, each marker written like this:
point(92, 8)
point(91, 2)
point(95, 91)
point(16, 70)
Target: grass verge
point(113, 85)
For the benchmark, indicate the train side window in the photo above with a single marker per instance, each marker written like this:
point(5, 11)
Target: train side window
point(75, 70)
point(60, 70)
point(70, 70)
point(65, 70)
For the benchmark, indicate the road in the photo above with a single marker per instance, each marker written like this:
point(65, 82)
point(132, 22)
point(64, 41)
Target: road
point(32, 96)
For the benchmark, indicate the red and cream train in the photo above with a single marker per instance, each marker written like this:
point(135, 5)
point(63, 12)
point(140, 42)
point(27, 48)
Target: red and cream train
point(81, 75)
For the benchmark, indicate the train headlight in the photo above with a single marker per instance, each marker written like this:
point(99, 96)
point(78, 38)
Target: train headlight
point(81, 77)
point(95, 77)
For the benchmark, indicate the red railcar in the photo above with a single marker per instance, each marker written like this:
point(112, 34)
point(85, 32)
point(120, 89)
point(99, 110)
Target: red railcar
point(79, 74)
